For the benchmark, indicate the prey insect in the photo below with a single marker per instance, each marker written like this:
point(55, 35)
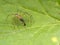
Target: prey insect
point(20, 18)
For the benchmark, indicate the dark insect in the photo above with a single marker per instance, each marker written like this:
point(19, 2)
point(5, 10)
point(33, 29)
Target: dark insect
point(21, 19)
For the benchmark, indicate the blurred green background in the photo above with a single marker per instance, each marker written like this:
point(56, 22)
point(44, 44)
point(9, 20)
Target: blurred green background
point(41, 16)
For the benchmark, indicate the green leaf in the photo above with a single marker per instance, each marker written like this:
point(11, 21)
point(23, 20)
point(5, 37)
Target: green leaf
point(42, 18)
